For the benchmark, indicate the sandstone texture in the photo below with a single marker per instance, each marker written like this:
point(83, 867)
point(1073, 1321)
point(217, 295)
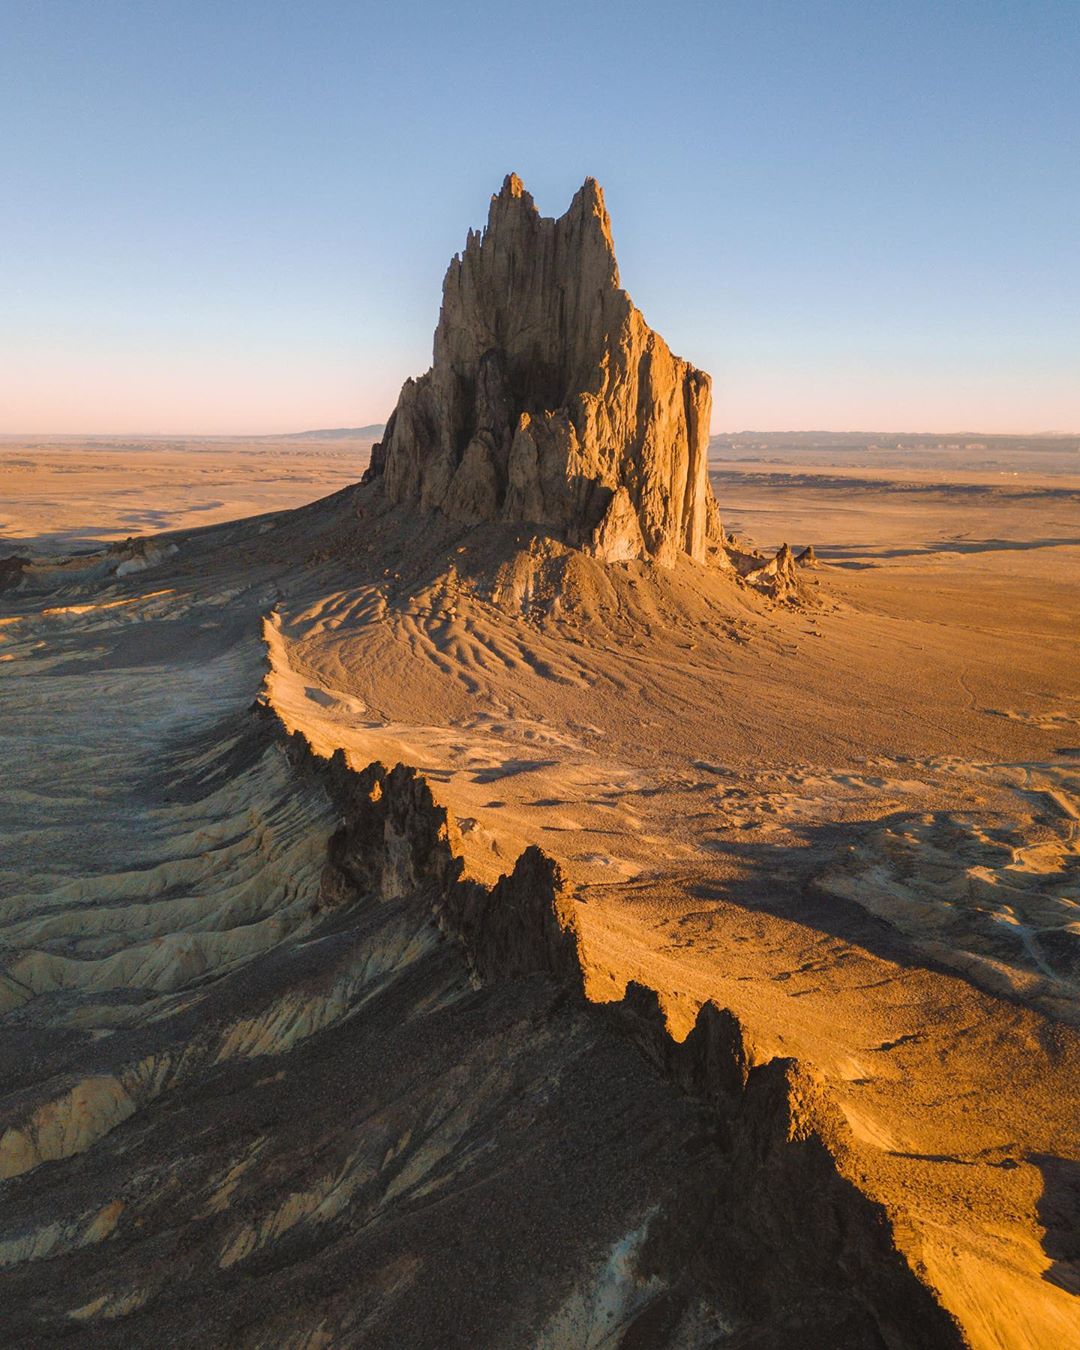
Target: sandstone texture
point(550, 401)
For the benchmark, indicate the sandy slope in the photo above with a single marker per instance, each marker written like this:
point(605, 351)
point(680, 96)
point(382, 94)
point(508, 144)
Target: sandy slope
point(853, 823)
point(739, 791)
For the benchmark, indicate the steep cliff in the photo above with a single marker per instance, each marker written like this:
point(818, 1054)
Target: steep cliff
point(765, 1222)
point(550, 400)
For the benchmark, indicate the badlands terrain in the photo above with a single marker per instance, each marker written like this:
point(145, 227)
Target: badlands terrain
point(707, 973)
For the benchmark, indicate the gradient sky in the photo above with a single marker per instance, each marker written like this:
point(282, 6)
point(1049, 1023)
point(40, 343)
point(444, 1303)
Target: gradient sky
point(235, 217)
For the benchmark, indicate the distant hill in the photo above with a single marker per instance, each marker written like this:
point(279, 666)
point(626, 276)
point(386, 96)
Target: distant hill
point(376, 429)
point(969, 451)
point(879, 439)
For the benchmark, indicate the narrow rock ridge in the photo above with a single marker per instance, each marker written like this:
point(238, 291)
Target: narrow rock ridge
point(784, 1226)
point(550, 401)
point(395, 841)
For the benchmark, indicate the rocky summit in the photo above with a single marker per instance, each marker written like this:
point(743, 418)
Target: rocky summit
point(550, 400)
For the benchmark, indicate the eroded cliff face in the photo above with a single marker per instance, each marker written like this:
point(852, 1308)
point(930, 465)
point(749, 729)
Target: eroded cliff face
point(550, 400)
point(763, 1233)
point(278, 1072)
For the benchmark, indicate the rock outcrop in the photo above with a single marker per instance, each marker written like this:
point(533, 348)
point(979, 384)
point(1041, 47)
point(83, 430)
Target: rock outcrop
point(763, 1222)
point(776, 577)
point(550, 401)
point(11, 571)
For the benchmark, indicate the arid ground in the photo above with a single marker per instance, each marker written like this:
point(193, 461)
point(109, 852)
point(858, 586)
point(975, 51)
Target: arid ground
point(63, 494)
point(851, 819)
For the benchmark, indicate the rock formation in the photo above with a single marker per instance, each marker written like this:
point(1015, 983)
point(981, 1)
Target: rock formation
point(777, 577)
point(11, 571)
point(550, 401)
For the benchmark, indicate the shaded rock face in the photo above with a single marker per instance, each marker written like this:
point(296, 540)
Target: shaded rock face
point(550, 401)
point(11, 571)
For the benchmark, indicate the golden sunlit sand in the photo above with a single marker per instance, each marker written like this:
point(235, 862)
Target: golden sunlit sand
point(853, 823)
point(297, 1055)
point(66, 494)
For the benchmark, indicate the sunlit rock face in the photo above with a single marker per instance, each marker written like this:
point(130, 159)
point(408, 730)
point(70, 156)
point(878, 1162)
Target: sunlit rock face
point(550, 400)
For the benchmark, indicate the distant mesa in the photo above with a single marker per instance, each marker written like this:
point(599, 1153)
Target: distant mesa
point(551, 401)
point(338, 433)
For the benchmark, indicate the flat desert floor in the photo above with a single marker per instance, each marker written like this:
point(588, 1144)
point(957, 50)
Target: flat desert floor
point(854, 820)
point(61, 494)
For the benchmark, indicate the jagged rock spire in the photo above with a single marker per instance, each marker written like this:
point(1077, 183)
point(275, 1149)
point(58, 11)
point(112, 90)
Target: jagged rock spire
point(550, 400)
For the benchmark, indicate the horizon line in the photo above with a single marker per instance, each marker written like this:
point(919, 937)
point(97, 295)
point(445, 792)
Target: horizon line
point(366, 429)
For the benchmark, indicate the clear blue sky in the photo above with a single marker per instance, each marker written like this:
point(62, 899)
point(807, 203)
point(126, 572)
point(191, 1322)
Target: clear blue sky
point(236, 216)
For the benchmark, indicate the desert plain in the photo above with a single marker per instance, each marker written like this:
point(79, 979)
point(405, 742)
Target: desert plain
point(852, 820)
point(424, 926)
